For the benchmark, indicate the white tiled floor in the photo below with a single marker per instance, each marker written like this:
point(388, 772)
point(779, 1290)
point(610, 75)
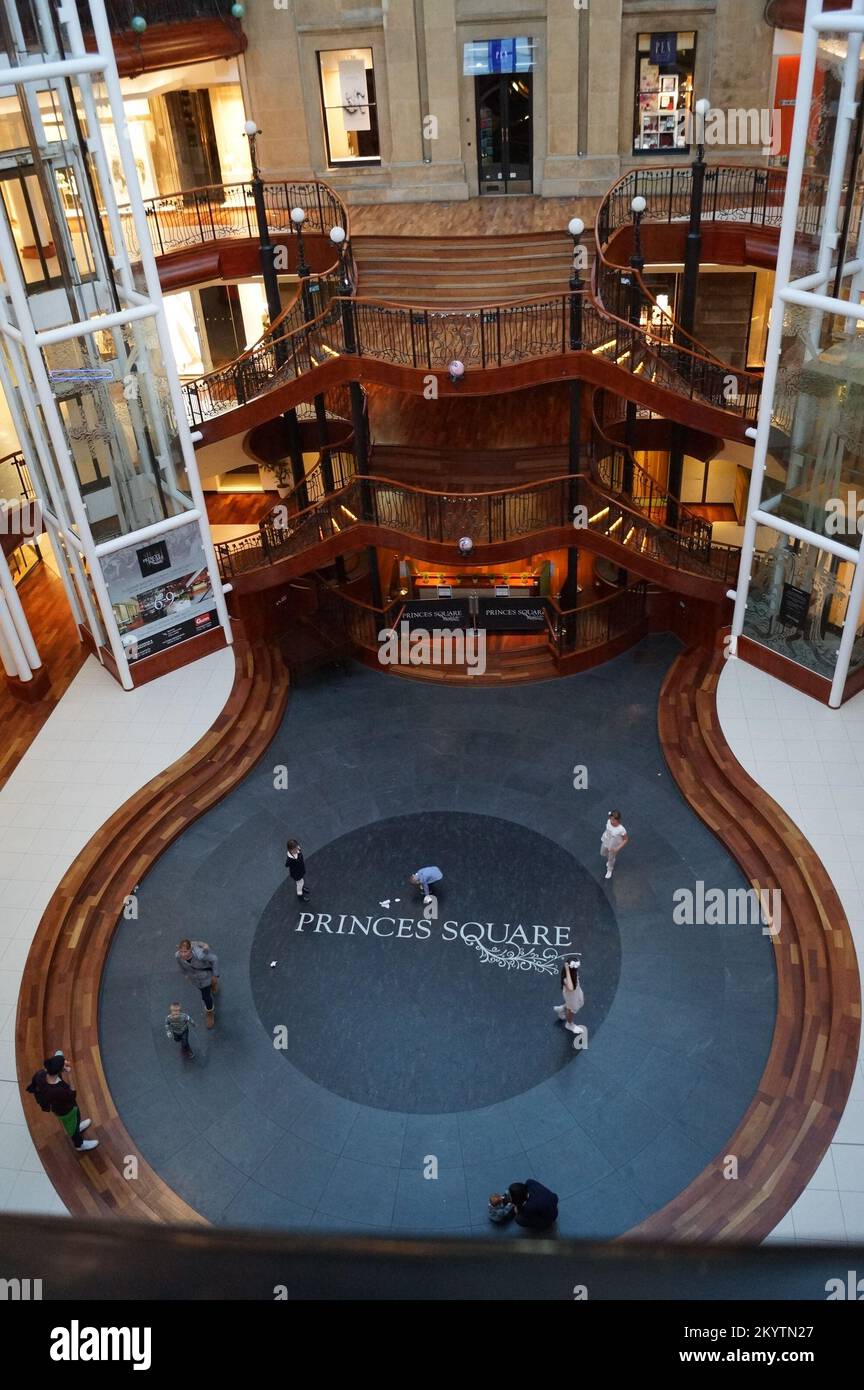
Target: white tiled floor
point(811, 760)
point(100, 745)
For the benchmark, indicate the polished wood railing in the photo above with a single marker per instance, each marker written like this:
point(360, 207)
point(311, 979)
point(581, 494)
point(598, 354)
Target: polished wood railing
point(489, 517)
point(568, 630)
point(731, 194)
point(596, 624)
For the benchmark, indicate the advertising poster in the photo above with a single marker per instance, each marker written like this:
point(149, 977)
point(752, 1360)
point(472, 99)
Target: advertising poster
point(160, 592)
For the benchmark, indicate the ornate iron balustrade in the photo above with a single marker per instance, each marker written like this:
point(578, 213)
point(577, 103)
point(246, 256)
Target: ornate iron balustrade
point(580, 629)
point(485, 338)
point(287, 351)
point(732, 193)
point(120, 12)
point(199, 216)
point(489, 517)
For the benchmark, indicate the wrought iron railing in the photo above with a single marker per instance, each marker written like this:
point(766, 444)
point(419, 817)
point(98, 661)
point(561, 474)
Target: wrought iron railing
point(15, 479)
point(598, 623)
point(489, 517)
point(618, 469)
point(290, 349)
point(121, 12)
point(221, 211)
point(731, 193)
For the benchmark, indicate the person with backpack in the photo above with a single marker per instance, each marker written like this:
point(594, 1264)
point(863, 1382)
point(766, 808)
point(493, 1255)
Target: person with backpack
point(296, 866)
point(200, 965)
point(53, 1091)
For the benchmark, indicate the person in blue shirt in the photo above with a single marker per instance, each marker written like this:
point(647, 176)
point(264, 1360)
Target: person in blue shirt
point(424, 878)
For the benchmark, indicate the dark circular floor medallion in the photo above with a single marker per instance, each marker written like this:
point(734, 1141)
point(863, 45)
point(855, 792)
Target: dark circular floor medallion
point(386, 1007)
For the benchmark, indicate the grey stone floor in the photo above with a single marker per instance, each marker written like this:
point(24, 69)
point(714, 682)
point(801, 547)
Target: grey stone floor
point(411, 1054)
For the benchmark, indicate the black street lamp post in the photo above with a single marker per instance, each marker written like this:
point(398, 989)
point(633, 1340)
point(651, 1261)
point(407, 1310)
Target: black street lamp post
point(637, 265)
point(693, 245)
point(274, 309)
point(268, 251)
point(570, 589)
point(298, 217)
point(686, 315)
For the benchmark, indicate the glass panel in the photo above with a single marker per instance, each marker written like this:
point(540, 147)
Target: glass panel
point(28, 221)
point(113, 398)
point(490, 131)
point(665, 64)
point(797, 602)
point(519, 127)
point(819, 411)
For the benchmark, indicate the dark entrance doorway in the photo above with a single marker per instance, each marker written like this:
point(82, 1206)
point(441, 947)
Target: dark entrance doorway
point(504, 132)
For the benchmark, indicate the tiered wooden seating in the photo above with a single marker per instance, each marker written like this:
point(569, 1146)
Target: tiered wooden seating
point(792, 1118)
point(58, 1004)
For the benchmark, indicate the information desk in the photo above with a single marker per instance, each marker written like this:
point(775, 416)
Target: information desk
point(520, 585)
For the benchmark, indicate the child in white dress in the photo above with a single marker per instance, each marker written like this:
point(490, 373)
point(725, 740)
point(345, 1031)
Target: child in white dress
point(612, 841)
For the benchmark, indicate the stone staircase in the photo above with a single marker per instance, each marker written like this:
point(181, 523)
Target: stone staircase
point(458, 272)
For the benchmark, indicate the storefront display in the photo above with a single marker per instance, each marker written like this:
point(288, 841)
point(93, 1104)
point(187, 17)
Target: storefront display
point(664, 91)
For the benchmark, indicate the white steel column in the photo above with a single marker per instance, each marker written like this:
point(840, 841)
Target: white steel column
point(115, 285)
point(785, 250)
point(18, 616)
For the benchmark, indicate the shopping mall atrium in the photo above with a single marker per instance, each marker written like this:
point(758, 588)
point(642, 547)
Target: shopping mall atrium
point(432, 632)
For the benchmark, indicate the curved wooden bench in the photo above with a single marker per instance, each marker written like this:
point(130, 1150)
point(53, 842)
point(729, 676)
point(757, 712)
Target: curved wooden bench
point(58, 1004)
point(796, 1109)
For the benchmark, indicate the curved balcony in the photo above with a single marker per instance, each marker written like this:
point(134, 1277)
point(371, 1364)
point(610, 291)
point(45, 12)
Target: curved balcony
point(502, 346)
point(505, 524)
point(178, 32)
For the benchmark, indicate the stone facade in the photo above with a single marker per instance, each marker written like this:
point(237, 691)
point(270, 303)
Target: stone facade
point(583, 85)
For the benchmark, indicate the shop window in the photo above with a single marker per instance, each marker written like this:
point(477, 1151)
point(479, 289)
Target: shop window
point(350, 110)
point(664, 92)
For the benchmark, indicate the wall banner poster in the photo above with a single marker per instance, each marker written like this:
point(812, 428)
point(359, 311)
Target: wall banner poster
point(160, 592)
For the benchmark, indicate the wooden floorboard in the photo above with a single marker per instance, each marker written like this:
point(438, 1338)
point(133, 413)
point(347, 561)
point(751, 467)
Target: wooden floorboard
point(492, 216)
point(56, 636)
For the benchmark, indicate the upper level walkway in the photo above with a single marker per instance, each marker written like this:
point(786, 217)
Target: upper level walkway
point(503, 345)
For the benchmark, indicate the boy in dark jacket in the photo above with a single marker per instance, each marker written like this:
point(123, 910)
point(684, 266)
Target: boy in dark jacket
point(54, 1093)
point(536, 1205)
point(296, 866)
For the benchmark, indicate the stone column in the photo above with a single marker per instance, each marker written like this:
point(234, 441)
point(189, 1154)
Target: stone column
point(272, 85)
